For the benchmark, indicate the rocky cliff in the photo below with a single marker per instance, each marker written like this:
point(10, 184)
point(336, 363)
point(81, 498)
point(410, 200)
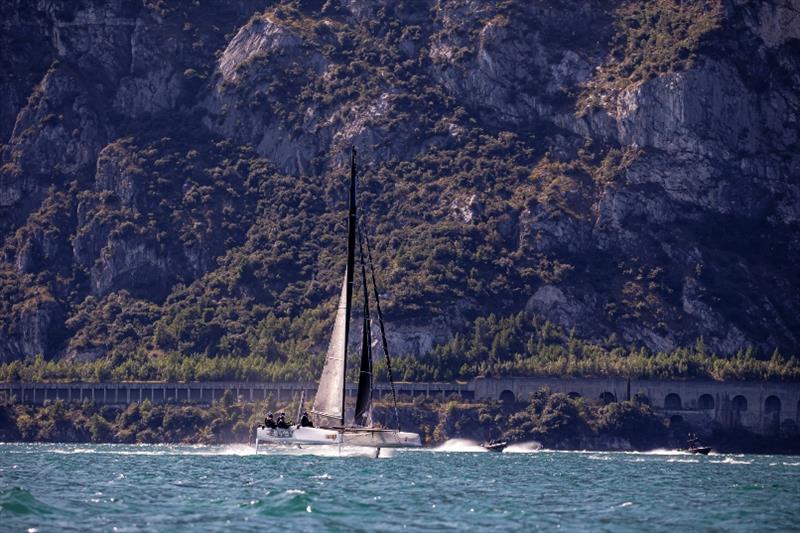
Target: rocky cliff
point(172, 172)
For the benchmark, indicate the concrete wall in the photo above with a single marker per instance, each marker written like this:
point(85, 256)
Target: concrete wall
point(747, 404)
point(201, 393)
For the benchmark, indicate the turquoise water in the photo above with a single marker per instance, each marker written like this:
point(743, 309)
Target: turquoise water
point(159, 487)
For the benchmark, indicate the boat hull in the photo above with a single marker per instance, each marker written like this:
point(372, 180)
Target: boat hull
point(298, 435)
point(702, 450)
point(370, 438)
point(381, 439)
point(494, 446)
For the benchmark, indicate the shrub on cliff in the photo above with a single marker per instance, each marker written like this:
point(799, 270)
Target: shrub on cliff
point(558, 421)
point(555, 420)
point(651, 39)
point(634, 422)
point(462, 420)
point(100, 429)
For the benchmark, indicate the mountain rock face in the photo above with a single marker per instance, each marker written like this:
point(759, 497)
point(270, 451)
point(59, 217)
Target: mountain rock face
point(171, 175)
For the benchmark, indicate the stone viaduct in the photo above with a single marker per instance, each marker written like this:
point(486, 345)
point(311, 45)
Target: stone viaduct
point(759, 406)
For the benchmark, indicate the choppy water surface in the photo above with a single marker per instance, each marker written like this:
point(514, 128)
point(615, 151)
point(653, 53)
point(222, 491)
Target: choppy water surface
point(118, 487)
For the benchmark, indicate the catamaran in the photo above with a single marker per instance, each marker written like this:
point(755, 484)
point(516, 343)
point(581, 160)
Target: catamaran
point(330, 400)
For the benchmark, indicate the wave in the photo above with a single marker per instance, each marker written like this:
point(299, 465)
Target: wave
point(71, 451)
point(197, 449)
point(148, 449)
point(663, 452)
point(240, 450)
point(731, 461)
point(19, 502)
point(282, 504)
point(459, 445)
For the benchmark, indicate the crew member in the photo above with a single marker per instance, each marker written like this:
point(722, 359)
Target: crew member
point(269, 422)
point(305, 421)
point(282, 421)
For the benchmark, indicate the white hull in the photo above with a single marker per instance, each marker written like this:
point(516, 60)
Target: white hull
point(371, 438)
point(381, 439)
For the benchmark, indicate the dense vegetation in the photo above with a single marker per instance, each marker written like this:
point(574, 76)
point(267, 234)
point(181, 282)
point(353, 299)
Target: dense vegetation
point(201, 238)
point(517, 345)
point(525, 346)
point(225, 421)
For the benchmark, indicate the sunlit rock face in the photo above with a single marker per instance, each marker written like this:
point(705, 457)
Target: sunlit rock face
point(514, 157)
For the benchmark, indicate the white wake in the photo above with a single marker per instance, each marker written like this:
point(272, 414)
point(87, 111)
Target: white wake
point(524, 447)
point(459, 445)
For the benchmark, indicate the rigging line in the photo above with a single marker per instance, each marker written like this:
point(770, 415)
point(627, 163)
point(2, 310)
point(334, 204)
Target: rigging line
point(384, 343)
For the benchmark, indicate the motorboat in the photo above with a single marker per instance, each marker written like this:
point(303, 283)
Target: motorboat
point(495, 445)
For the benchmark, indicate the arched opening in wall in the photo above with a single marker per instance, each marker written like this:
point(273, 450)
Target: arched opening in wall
point(641, 398)
point(574, 395)
point(507, 397)
point(772, 413)
point(675, 420)
point(607, 398)
point(706, 401)
point(772, 405)
point(739, 403)
point(672, 402)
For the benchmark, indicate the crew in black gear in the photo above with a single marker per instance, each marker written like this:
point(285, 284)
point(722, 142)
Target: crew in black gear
point(305, 421)
point(282, 421)
point(269, 422)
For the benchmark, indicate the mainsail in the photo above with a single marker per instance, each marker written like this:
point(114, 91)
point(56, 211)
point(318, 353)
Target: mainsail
point(363, 415)
point(384, 343)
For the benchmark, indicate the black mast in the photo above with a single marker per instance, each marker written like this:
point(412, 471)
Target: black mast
point(351, 259)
